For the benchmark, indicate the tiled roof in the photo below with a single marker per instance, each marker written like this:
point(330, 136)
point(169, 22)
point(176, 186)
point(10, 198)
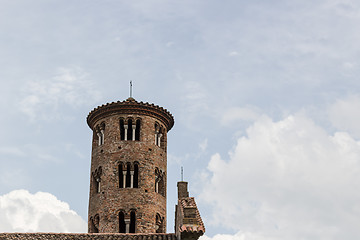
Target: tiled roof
point(131, 106)
point(87, 236)
point(191, 219)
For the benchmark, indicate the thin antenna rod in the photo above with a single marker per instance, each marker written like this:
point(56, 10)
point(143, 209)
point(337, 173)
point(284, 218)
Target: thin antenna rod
point(130, 88)
point(182, 174)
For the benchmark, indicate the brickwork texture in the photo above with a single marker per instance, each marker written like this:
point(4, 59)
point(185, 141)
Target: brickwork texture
point(114, 151)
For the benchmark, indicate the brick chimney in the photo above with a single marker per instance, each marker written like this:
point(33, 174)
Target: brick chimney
point(182, 190)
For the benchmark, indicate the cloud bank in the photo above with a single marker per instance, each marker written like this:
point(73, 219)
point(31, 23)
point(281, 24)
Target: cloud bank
point(286, 180)
point(21, 211)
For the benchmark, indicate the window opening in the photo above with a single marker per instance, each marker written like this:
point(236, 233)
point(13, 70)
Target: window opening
point(121, 176)
point(136, 175)
point(122, 225)
point(157, 134)
point(132, 221)
point(159, 182)
point(96, 223)
point(159, 137)
point(102, 132)
point(97, 179)
point(137, 132)
point(157, 179)
point(130, 130)
point(128, 177)
point(159, 224)
point(161, 186)
point(122, 129)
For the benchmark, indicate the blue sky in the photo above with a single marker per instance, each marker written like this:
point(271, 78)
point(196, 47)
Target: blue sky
point(265, 96)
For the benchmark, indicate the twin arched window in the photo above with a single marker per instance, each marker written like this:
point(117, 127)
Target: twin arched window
point(126, 224)
point(94, 224)
point(159, 135)
point(129, 175)
point(130, 129)
point(159, 181)
point(100, 132)
point(97, 179)
point(159, 223)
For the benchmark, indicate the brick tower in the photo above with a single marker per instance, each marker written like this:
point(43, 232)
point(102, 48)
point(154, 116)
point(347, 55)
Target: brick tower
point(128, 179)
point(128, 167)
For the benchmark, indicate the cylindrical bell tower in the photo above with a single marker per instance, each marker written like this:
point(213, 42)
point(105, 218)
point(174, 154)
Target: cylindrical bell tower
point(128, 167)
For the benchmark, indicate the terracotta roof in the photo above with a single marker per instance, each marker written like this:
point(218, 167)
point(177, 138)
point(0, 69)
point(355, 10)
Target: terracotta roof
point(87, 236)
point(191, 222)
point(130, 105)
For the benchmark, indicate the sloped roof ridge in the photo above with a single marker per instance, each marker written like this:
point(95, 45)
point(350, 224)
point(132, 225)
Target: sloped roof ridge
point(190, 202)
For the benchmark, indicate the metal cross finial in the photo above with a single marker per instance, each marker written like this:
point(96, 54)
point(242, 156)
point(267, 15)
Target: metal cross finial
point(130, 88)
point(182, 174)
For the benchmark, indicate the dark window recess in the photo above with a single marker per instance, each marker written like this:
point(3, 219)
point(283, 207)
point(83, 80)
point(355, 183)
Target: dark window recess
point(121, 176)
point(128, 176)
point(132, 221)
point(159, 223)
point(162, 186)
point(129, 131)
point(122, 129)
point(122, 226)
point(136, 176)
point(137, 130)
point(95, 223)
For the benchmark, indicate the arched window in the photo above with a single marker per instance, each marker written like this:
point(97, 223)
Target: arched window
point(137, 131)
point(157, 179)
point(122, 225)
point(161, 187)
point(97, 185)
point(157, 131)
point(136, 175)
point(97, 179)
point(158, 135)
point(100, 132)
point(130, 130)
point(121, 176)
point(128, 175)
point(159, 223)
point(94, 227)
point(122, 129)
point(132, 221)
point(159, 182)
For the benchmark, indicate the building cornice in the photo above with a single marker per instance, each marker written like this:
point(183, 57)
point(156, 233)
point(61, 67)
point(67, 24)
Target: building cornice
point(131, 106)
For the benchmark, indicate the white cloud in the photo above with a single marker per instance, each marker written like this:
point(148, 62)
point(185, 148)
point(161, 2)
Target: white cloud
point(69, 87)
point(287, 180)
point(345, 115)
point(21, 211)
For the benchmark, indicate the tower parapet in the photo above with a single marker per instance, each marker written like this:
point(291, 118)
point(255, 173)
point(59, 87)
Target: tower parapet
point(131, 106)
